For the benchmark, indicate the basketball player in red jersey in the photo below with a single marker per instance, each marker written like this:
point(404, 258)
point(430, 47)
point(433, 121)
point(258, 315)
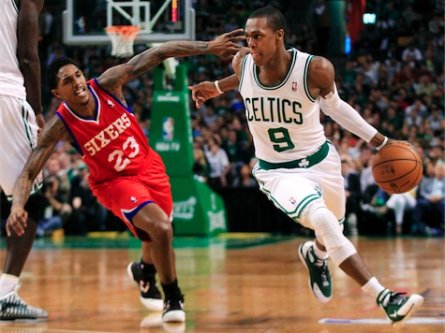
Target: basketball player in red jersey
point(126, 175)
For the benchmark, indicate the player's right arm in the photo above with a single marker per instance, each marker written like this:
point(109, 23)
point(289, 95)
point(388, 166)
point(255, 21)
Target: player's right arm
point(321, 82)
point(206, 90)
point(52, 133)
point(28, 53)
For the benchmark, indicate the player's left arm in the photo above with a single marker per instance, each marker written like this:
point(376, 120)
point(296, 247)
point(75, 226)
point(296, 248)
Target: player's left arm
point(321, 82)
point(28, 53)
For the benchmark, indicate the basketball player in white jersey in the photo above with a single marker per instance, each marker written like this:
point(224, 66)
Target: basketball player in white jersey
point(298, 168)
point(20, 119)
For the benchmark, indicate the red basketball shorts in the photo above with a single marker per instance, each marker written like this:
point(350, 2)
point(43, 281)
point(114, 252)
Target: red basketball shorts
point(126, 195)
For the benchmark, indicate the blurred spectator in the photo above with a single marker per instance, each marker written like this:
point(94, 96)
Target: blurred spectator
point(88, 214)
point(366, 177)
point(412, 55)
point(245, 179)
point(200, 167)
point(219, 164)
point(353, 194)
point(232, 147)
point(56, 210)
point(400, 204)
point(429, 212)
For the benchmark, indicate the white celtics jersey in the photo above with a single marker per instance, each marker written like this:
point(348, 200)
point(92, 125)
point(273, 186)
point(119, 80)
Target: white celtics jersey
point(11, 79)
point(284, 119)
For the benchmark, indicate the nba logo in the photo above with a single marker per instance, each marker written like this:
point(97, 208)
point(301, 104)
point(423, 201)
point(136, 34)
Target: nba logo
point(168, 128)
point(294, 86)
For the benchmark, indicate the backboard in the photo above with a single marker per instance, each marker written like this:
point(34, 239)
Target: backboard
point(84, 21)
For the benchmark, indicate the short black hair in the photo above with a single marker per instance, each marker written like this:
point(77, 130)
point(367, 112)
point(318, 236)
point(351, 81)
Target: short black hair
point(275, 18)
point(53, 69)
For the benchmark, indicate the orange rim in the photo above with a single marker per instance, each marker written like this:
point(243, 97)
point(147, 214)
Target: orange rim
point(123, 30)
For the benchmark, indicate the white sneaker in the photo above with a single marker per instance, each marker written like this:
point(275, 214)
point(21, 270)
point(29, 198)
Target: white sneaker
point(13, 308)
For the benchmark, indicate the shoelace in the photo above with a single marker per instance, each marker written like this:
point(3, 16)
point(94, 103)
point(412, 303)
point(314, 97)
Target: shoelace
point(324, 274)
point(396, 298)
point(322, 264)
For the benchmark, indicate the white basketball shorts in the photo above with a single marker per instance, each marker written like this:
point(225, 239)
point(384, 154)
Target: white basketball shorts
point(18, 136)
point(291, 190)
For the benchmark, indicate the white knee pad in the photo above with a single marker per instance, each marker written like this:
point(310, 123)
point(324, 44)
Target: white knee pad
point(329, 232)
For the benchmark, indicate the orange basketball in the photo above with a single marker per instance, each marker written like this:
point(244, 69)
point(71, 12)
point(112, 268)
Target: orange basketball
point(397, 168)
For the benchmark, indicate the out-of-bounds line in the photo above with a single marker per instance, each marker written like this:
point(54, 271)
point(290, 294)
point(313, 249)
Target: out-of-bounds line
point(375, 321)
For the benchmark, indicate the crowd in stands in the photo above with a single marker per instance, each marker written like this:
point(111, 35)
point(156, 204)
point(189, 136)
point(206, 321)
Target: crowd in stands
point(394, 77)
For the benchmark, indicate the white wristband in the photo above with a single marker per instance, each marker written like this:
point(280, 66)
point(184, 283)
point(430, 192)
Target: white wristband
point(385, 141)
point(218, 89)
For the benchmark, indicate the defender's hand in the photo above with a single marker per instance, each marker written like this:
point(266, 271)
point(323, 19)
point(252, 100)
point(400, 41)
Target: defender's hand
point(227, 44)
point(17, 221)
point(203, 91)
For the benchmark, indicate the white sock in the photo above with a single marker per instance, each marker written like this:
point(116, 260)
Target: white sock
point(373, 287)
point(320, 253)
point(8, 283)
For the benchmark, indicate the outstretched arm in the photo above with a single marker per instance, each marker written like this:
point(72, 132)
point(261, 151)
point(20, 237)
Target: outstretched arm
point(28, 53)
point(206, 90)
point(53, 132)
point(224, 45)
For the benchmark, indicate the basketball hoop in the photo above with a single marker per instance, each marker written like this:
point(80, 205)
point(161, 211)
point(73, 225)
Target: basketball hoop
point(122, 39)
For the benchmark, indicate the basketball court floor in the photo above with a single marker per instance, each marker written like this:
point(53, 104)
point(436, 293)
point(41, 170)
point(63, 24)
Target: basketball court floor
point(235, 283)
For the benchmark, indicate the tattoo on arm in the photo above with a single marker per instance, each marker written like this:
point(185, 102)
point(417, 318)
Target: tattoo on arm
point(53, 132)
point(154, 56)
point(116, 76)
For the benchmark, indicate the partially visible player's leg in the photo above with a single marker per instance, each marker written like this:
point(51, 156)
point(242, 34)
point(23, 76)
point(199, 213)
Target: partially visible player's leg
point(292, 196)
point(316, 263)
point(155, 222)
point(20, 246)
point(144, 274)
point(134, 202)
point(18, 135)
point(398, 307)
point(331, 188)
point(12, 307)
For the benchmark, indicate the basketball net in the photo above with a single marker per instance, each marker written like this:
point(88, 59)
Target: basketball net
point(122, 39)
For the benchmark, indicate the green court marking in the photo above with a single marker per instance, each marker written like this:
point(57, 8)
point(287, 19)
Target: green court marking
point(126, 241)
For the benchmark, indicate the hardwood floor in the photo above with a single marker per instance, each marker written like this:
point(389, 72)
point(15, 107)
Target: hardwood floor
point(232, 285)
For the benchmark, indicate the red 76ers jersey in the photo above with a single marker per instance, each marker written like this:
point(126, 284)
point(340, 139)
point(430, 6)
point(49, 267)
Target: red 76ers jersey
point(112, 142)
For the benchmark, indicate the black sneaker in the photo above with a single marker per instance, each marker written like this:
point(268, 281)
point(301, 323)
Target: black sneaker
point(319, 277)
point(173, 311)
point(13, 308)
point(150, 297)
